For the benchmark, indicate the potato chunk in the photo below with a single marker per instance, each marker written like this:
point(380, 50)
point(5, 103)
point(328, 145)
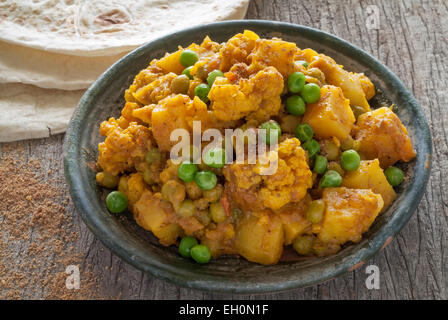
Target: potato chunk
point(356, 87)
point(171, 63)
point(167, 116)
point(259, 238)
point(152, 213)
point(348, 214)
point(369, 175)
point(293, 217)
point(382, 135)
point(331, 116)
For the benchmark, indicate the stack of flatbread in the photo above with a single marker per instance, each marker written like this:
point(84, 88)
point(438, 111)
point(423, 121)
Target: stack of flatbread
point(52, 50)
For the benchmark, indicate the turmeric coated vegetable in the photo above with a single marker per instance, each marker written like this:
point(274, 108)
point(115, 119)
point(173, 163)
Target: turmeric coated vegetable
point(382, 135)
point(259, 238)
point(331, 116)
point(369, 175)
point(349, 213)
point(316, 183)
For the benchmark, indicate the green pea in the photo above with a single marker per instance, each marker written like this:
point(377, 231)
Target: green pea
point(201, 72)
point(303, 63)
point(347, 143)
point(187, 72)
point(215, 158)
point(217, 212)
point(107, 180)
point(303, 245)
point(311, 93)
point(202, 91)
point(273, 131)
point(180, 84)
point(152, 156)
point(312, 146)
point(206, 180)
point(295, 105)
point(200, 253)
point(357, 111)
point(394, 175)
point(186, 209)
point(333, 165)
point(213, 75)
point(315, 211)
point(214, 194)
point(320, 164)
point(331, 179)
point(296, 82)
point(188, 58)
point(350, 160)
point(148, 177)
point(304, 132)
point(187, 171)
point(203, 217)
point(185, 246)
point(116, 202)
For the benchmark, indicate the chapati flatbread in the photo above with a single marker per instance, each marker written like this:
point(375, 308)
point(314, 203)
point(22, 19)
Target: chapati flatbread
point(101, 27)
point(28, 112)
point(50, 70)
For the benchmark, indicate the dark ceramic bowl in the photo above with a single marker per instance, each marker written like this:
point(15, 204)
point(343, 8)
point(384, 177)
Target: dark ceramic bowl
point(232, 274)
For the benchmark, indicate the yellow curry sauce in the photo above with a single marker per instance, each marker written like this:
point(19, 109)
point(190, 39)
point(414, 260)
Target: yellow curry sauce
point(247, 213)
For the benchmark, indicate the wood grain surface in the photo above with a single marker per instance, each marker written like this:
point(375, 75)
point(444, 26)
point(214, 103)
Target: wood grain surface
point(410, 39)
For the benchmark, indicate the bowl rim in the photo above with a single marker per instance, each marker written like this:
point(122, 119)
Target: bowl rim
point(181, 277)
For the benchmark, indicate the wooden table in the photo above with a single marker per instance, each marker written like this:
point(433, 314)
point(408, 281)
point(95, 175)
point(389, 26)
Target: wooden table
point(410, 39)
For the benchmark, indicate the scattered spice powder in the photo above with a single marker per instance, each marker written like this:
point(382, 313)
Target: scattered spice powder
point(36, 236)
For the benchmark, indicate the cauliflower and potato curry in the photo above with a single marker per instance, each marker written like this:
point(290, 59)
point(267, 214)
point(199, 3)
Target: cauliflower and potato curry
point(335, 171)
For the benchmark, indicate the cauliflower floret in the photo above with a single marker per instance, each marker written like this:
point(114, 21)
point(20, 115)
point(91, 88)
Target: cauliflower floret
point(122, 148)
point(237, 49)
point(268, 107)
point(157, 90)
point(252, 188)
point(143, 78)
point(136, 186)
point(229, 102)
point(349, 213)
point(382, 135)
point(260, 94)
point(108, 126)
point(276, 53)
point(179, 112)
